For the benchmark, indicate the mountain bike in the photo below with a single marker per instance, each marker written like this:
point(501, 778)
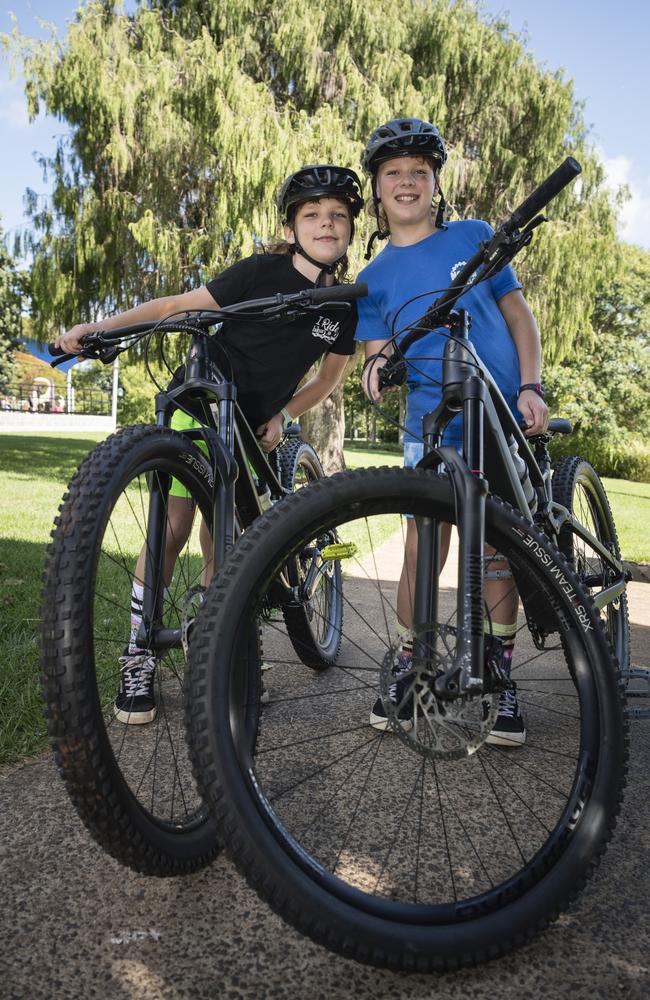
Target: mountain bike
point(425, 846)
point(131, 784)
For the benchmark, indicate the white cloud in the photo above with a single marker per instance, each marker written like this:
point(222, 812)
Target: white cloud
point(634, 217)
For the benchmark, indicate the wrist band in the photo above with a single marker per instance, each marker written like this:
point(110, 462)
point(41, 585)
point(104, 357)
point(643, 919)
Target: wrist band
point(535, 387)
point(287, 419)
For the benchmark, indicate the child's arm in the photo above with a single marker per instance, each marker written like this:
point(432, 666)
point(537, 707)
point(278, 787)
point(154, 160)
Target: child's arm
point(524, 332)
point(153, 310)
point(370, 379)
point(318, 388)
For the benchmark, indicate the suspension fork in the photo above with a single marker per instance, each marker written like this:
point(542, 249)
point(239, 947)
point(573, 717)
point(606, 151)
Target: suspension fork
point(462, 389)
point(465, 676)
point(223, 511)
point(154, 584)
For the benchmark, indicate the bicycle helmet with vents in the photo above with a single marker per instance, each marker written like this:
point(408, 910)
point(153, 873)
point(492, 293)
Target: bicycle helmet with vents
point(319, 181)
point(403, 137)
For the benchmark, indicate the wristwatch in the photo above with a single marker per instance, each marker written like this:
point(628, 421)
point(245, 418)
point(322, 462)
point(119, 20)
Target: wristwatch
point(287, 419)
point(535, 386)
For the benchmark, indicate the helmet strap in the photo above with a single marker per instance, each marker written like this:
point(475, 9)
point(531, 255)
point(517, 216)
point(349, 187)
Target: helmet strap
point(324, 268)
point(296, 247)
point(379, 233)
point(441, 214)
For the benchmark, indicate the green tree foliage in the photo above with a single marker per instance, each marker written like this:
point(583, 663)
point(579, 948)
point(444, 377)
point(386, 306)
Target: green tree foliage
point(139, 386)
point(11, 289)
point(606, 392)
point(185, 117)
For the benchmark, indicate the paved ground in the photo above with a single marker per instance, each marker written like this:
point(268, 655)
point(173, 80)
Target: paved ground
point(75, 924)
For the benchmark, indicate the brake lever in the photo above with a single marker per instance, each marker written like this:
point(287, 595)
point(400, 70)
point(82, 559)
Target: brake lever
point(393, 373)
point(506, 245)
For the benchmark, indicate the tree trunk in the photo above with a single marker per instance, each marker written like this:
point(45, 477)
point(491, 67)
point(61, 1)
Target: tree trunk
point(323, 427)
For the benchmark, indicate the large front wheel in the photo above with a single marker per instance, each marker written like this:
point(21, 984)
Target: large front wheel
point(127, 770)
point(420, 846)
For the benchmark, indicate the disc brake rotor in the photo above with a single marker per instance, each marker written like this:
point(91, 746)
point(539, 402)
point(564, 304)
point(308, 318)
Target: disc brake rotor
point(429, 725)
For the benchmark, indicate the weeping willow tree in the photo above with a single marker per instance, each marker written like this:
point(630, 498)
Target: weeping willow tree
point(11, 291)
point(184, 118)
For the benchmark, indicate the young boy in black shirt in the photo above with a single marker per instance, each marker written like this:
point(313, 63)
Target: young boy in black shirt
point(318, 205)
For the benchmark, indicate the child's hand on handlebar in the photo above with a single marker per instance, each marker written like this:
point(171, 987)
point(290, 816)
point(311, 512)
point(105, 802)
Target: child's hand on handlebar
point(70, 342)
point(370, 378)
point(534, 411)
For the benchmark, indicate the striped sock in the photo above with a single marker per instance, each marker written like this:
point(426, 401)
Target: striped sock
point(406, 639)
point(506, 636)
point(137, 596)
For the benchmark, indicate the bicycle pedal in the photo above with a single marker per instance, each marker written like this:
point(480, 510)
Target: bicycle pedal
point(338, 550)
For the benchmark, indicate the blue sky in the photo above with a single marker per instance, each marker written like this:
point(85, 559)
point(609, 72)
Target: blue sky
point(603, 47)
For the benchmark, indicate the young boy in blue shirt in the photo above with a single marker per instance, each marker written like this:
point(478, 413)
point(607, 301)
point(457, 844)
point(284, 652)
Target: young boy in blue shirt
point(404, 158)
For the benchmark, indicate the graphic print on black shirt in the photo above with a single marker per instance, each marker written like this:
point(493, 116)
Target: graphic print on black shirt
point(269, 360)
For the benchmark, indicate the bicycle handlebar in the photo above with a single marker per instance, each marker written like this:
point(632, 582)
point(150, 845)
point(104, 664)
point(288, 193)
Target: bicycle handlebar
point(272, 306)
point(546, 191)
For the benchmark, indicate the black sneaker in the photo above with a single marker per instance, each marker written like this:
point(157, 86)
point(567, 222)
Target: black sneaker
point(509, 729)
point(135, 703)
point(378, 717)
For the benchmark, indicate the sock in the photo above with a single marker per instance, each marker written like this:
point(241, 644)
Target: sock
point(506, 636)
point(137, 595)
point(406, 638)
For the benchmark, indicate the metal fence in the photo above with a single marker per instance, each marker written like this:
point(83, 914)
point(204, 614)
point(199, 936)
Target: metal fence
point(25, 397)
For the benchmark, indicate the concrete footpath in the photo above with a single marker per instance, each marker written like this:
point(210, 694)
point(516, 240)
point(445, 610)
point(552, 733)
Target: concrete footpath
point(75, 924)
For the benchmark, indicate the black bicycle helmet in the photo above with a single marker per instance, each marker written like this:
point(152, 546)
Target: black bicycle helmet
point(319, 180)
point(403, 137)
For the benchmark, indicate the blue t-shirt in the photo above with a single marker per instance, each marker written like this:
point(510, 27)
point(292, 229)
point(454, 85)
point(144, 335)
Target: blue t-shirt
point(425, 269)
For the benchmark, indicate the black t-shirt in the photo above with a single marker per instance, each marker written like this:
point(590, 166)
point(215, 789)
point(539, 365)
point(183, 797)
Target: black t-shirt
point(269, 360)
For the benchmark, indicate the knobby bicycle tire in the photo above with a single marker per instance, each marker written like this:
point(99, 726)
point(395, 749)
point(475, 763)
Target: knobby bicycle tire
point(314, 626)
point(577, 486)
point(130, 784)
point(372, 849)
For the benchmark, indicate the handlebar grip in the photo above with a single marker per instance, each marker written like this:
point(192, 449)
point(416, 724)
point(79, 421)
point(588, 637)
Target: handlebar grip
point(339, 293)
point(59, 356)
point(56, 352)
point(547, 190)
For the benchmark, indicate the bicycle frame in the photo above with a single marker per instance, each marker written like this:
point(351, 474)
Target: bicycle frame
point(469, 388)
point(232, 450)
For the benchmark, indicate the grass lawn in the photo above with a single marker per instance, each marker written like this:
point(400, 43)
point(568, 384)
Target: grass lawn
point(35, 473)
point(630, 503)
